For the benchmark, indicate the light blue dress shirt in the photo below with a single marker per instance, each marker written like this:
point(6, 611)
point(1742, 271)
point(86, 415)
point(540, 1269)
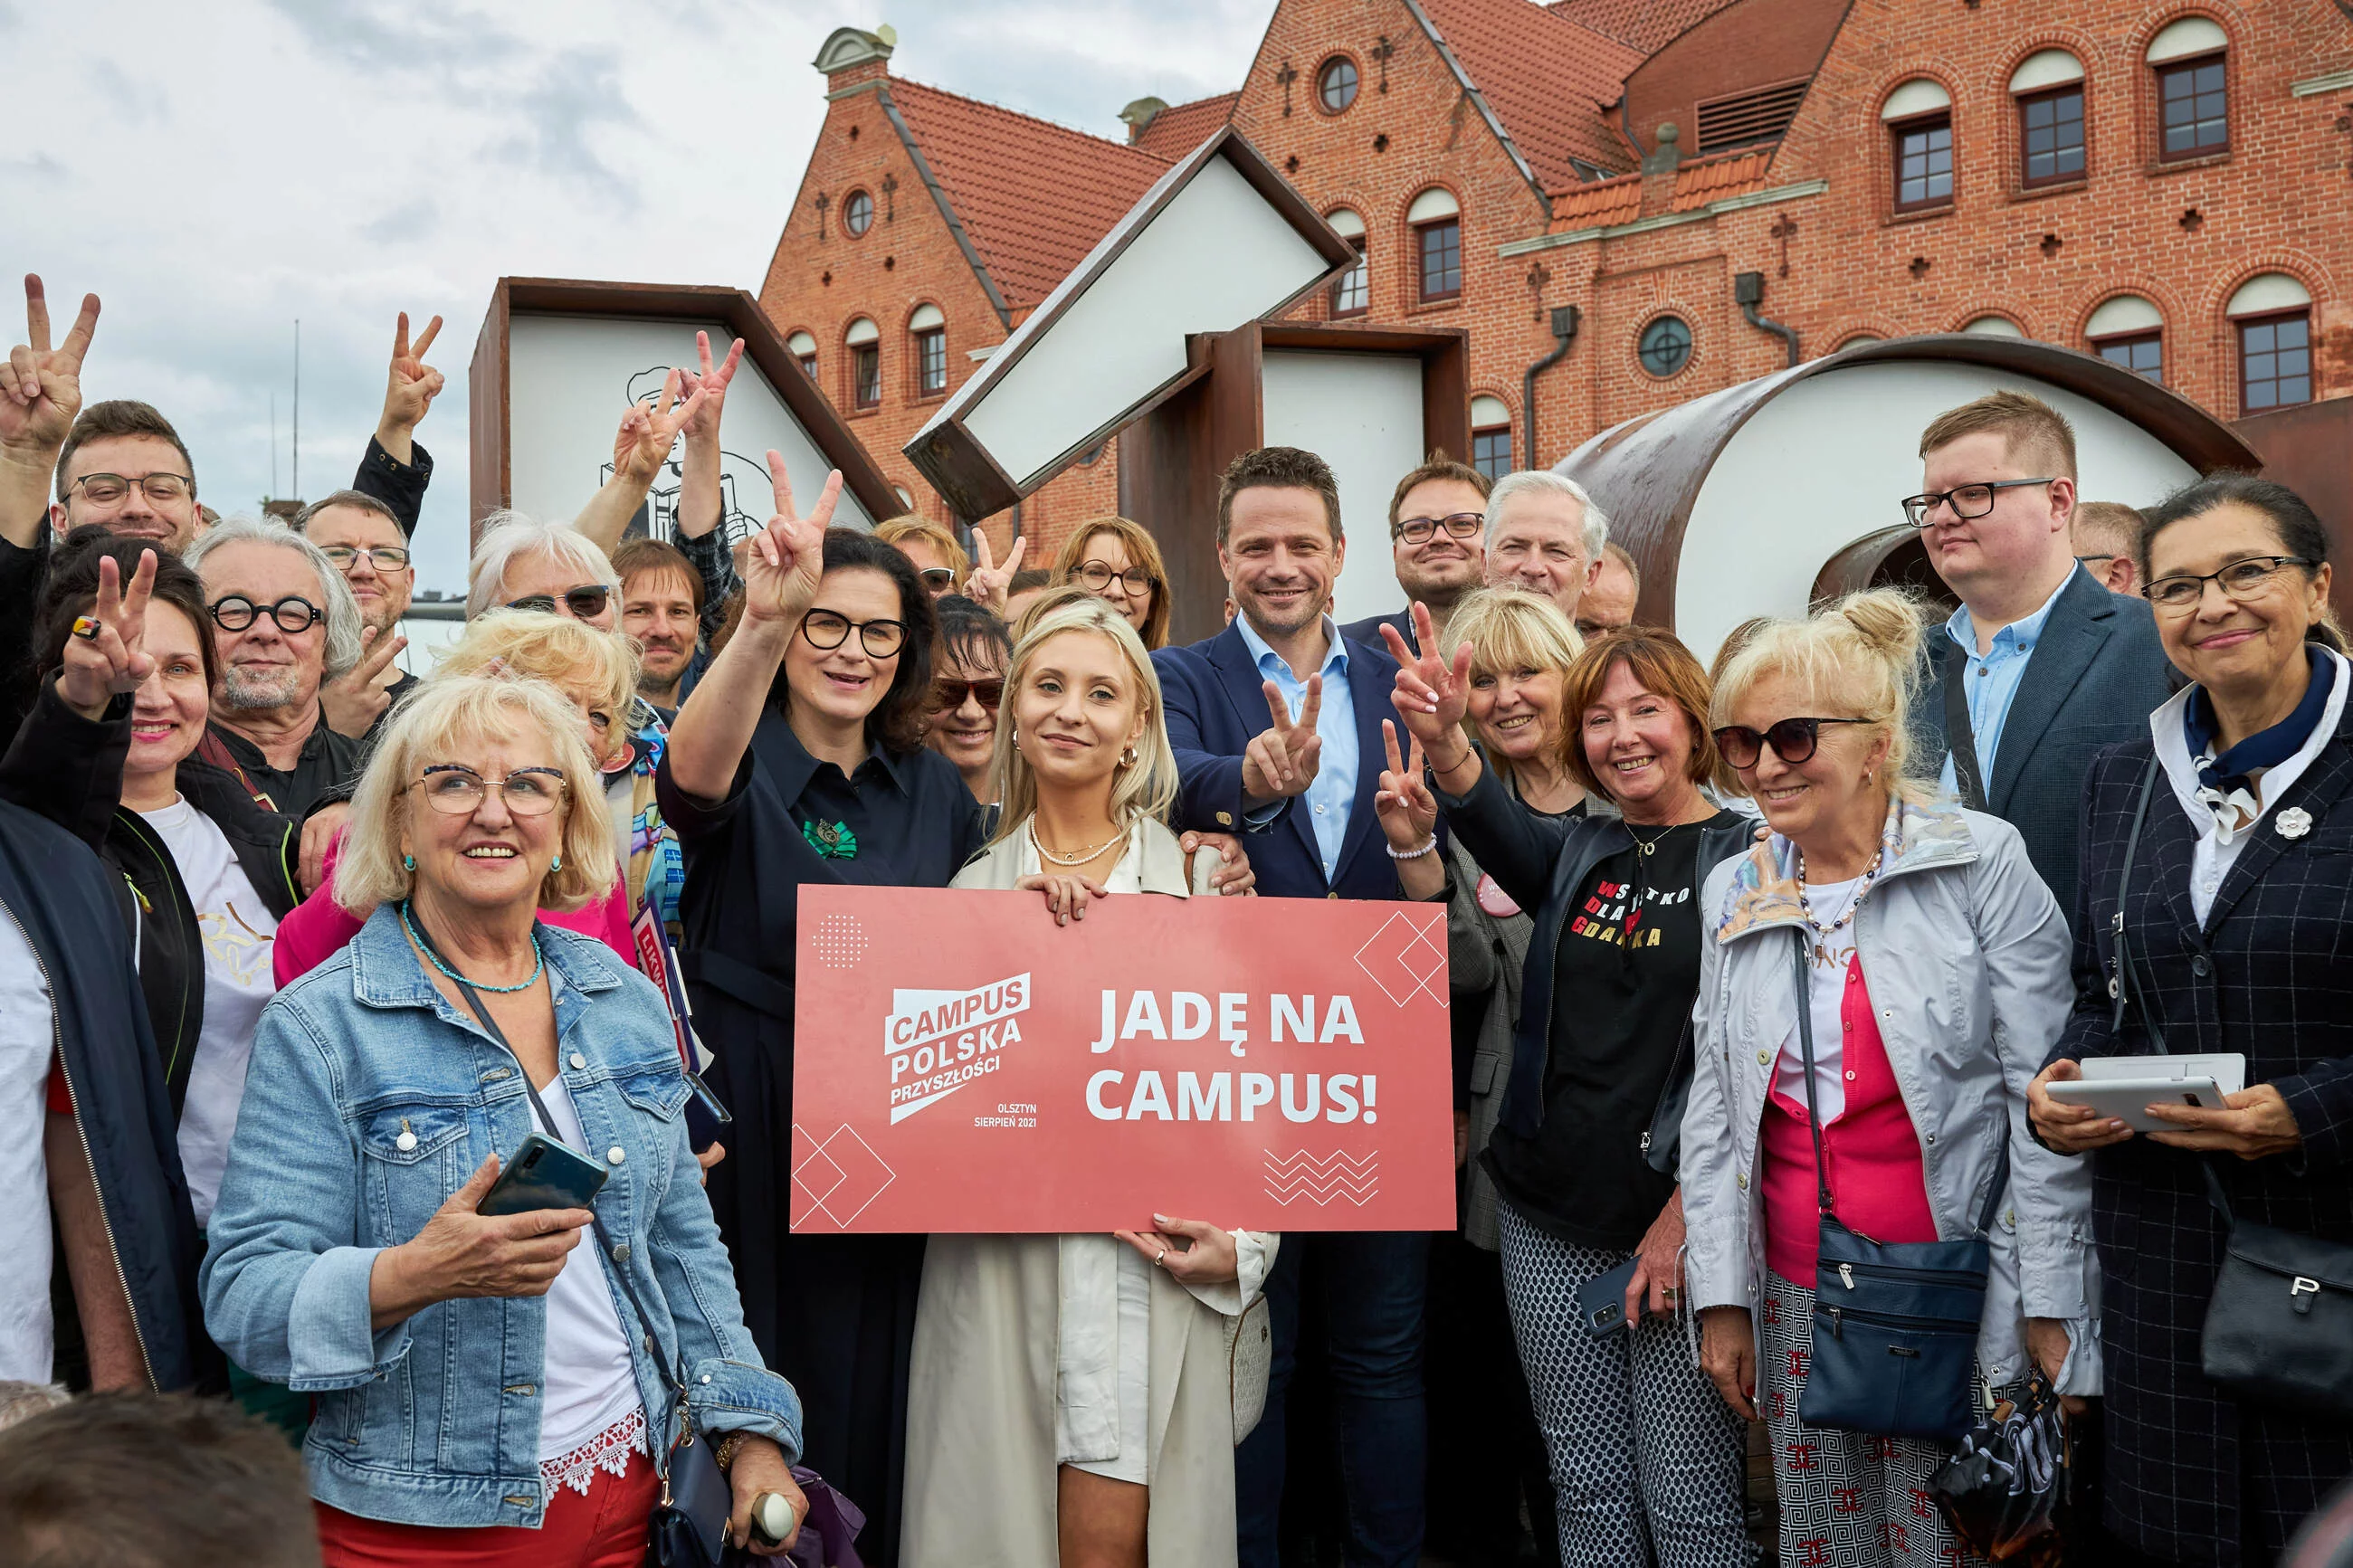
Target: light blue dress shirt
point(1334, 794)
point(1993, 678)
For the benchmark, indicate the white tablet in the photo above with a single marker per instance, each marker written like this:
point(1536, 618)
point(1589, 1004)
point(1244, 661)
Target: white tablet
point(2125, 1087)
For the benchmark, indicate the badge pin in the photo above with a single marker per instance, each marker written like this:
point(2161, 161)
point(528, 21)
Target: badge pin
point(2294, 822)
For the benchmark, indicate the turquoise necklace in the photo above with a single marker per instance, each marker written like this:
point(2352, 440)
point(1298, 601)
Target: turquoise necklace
point(425, 945)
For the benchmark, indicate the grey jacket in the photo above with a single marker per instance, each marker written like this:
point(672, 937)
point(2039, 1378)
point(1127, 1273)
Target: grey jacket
point(1967, 958)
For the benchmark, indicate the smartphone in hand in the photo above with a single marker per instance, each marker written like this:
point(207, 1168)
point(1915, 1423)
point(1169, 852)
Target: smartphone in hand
point(543, 1175)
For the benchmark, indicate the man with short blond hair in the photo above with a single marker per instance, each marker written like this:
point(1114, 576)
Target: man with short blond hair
point(2107, 543)
point(2041, 667)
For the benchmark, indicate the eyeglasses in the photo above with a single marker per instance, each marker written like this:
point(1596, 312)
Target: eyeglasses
point(2239, 579)
point(457, 790)
point(1794, 741)
point(1966, 500)
point(1457, 525)
point(585, 604)
point(938, 579)
point(383, 557)
point(1097, 576)
point(105, 489)
point(827, 631)
point(293, 615)
point(950, 695)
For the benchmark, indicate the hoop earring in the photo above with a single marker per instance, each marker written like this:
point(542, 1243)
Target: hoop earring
point(1127, 758)
point(408, 862)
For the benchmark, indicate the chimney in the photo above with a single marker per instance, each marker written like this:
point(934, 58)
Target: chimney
point(850, 57)
point(1659, 166)
point(1141, 114)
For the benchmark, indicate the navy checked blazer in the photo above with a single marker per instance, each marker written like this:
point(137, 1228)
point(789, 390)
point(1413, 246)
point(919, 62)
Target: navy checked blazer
point(2192, 1471)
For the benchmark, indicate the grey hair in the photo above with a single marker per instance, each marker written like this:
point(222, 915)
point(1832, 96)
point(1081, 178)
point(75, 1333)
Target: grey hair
point(1546, 482)
point(507, 535)
point(344, 645)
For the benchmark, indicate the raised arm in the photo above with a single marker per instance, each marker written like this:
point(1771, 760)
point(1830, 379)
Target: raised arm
point(394, 470)
point(40, 392)
point(782, 571)
point(701, 495)
point(640, 446)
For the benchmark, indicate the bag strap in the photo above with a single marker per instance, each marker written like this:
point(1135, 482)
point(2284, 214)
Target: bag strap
point(2128, 979)
point(1802, 953)
point(1960, 735)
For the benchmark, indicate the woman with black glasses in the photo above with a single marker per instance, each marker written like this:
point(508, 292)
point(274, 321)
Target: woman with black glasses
point(799, 759)
point(1119, 560)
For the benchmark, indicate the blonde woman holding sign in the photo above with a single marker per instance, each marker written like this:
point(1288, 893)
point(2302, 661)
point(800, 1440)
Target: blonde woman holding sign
point(1073, 1396)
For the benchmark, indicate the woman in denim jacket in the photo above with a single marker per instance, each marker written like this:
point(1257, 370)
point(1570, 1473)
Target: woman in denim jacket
point(486, 1390)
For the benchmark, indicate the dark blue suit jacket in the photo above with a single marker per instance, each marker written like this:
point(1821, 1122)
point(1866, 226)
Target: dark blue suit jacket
point(1368, 630)
point(1217, 705)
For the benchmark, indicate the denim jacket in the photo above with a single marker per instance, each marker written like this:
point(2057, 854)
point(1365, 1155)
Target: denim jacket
point(435, 1420)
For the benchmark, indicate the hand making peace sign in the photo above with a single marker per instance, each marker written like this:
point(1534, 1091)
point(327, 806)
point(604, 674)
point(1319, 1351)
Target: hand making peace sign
point(104, 656)
point(784, 562)
point(40, 388)
point(706, 388)
point(410, 384)
point(1282, 760)
point(1432, 696)
point(989, 583)
point(647, 432)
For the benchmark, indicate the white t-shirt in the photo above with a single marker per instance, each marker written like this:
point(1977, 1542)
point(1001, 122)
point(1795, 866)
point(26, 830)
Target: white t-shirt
point(587, 1380)
point(1834, 955)
point(239, 933)
point(28, 1042)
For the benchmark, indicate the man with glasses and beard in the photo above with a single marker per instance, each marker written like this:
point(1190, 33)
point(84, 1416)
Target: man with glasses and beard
point(2041, 667)
point(283, 623)
point(1437, 525)
point(360, 536)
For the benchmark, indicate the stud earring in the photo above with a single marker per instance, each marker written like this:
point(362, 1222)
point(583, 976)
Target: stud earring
point(556, 863)
point(408, 862)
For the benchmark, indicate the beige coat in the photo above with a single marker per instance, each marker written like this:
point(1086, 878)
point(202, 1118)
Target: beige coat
point(982, 1430)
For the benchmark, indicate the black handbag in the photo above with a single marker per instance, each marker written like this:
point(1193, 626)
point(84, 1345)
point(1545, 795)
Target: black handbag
point(2279, 1327)
point(688, 1528)
point(1895, 1323)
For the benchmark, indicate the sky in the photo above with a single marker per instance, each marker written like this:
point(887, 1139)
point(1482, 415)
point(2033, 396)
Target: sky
point(215, 172)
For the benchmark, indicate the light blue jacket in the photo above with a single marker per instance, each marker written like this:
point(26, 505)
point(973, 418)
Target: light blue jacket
point(435, 1420)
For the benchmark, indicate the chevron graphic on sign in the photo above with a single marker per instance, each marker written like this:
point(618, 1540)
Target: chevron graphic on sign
point(1308, 1178)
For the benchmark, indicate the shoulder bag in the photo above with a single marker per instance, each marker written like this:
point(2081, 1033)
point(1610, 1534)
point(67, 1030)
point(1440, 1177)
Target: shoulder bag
point(1895, 1323)
point(688, 1528)
point(2279, 1327)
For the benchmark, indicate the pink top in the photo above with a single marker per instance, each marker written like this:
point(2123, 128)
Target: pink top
point(319, 927)
point(1870, 1148)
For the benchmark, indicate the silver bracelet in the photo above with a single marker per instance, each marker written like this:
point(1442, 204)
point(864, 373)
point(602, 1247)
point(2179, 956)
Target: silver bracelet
point(1397, 854)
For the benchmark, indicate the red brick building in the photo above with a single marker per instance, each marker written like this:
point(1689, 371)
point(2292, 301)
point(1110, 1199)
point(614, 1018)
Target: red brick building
point(2168, 182)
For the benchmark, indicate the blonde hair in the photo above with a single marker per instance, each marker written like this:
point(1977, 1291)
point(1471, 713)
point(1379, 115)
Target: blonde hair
point(2028, 428)
point(897, 530)
point(534, 645)
point(447, 715)
point(1858, 659)
point(1147, 788)
point(1143, 551)
point(1510, 628)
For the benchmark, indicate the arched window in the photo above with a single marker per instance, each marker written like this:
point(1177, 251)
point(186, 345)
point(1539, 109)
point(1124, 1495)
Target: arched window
point(1919, 120)
point(928, 329)
point(2047, 88)
point(2191, 58)
point(2130, 332)
point(804, 352)
point(2273, 317)
point(1437, 222)
point(1994, 327)
point(1491, 436)
point(864, 342)
point(1353, 294)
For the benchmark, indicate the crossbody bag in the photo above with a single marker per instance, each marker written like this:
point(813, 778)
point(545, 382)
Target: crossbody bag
point(1895, 1323)
point(2279, 1327)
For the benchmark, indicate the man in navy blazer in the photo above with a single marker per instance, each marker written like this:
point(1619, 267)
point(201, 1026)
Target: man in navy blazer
point(1276, 723)
point(2040, 668)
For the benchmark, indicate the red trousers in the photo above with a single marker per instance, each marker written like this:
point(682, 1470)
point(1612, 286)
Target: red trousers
point(605, 1529)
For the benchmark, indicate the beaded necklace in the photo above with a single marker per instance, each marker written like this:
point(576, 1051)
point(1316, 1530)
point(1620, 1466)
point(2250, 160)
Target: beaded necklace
point(425, 945)
point(1870, 875)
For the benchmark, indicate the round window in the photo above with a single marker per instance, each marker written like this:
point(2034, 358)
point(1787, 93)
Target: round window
point(1336, 84)
point(858, 213)
point(1666, 346)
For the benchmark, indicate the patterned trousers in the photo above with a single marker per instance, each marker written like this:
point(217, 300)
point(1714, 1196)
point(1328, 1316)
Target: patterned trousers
point(1849, 1500)
point(1646, 1457)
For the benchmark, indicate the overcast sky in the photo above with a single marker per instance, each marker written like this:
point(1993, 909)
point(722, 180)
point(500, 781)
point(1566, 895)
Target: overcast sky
point(214, 170)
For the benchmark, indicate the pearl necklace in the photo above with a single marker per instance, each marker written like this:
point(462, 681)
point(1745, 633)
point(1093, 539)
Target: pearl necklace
point(1092, 852)
point(1870, 875)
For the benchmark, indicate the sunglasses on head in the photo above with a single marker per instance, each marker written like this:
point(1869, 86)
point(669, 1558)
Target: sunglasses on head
point(949, 694)
point(1794, 741)
point(582, 604)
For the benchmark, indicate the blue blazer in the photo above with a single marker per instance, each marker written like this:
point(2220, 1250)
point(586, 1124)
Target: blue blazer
point(2097, 673)
point(1217, 705)
point(1368, 630)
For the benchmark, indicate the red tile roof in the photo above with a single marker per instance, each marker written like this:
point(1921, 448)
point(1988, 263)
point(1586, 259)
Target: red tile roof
point(1034, 196)
point(1181, 127)
point(1545, 77)
point(1705, 180)
point(1645, 26)
point(1602, 201)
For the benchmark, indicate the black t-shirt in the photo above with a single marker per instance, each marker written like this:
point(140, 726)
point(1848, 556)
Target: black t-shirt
point(1624, 974)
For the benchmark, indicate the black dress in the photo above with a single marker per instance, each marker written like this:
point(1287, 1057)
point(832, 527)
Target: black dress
point(834, 1314)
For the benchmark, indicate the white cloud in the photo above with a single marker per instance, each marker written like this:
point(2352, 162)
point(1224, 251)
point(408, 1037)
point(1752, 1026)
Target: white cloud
point(215, 172)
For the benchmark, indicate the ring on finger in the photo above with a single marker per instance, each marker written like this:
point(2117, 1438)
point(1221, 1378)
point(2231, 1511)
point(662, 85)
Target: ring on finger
point(86, 627)
point(1160, 1259)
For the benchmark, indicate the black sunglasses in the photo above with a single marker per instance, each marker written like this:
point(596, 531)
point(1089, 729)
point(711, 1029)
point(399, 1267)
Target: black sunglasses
point(1794, 741)
point(585, 604)
point(949, 694)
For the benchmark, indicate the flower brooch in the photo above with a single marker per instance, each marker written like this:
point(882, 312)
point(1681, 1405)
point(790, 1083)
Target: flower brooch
point(2294, 823)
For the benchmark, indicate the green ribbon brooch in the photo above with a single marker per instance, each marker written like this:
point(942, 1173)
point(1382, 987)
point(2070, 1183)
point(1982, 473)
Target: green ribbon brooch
point(832, 840)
